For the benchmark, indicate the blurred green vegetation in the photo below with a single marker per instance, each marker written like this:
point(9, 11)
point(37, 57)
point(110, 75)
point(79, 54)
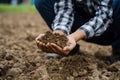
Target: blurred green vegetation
point(6, 8)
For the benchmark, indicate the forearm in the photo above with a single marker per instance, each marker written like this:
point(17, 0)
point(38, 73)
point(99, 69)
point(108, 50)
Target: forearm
point(100, 22)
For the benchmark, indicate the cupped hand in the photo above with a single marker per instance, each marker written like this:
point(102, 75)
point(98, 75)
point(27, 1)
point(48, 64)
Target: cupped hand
point(49, 47)
point(54, 48)
point(70, 44)
point(42, 45)
point(62, 51)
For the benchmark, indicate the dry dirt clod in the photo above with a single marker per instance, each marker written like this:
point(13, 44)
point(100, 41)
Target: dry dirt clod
point(82, 72)
point(2, 55)
point(9, 77)
point(70, 78)
point(75, 74)
point(9, 57)
point(49, 37)
point(14, 71)
point(2, 70)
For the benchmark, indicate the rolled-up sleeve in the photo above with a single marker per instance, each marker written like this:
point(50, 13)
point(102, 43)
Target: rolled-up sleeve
point(99, 23)
point(64, 15)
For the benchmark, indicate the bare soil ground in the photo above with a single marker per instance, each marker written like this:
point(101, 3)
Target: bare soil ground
point(20, 59)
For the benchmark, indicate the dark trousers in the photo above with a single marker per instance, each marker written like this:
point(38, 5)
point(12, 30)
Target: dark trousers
point(110, 37)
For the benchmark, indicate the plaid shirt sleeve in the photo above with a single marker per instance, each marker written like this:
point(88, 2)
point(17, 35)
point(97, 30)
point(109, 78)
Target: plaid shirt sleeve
point(98, 24)
point(94, 27)
point(64, 15)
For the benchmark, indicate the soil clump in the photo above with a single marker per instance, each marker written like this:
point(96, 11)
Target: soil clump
point(49, 37)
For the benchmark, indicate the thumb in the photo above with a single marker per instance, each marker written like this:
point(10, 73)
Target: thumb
point(39, 37)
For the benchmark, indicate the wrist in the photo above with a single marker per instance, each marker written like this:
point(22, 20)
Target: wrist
point(78, 35)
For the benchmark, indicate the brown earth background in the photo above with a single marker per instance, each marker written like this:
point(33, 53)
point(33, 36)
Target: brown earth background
point(20, 59)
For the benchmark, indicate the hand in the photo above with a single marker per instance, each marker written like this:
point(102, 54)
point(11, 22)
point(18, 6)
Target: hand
point(70, 45)
point(62, 51)
point(53, 48)
point(40, 45)
point(47, 47)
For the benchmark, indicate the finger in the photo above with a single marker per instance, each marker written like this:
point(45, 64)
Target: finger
point(67, 48)
point(57, 49)
point(37, 39)
point(45, 49)
point(38, 44)
point(42, 46)
point(51, 50)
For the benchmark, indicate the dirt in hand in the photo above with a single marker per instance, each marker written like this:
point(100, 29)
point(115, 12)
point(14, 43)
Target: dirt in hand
point(49, 37)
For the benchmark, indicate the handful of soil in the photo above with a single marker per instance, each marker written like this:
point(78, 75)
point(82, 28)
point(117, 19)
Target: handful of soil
point(49, 37)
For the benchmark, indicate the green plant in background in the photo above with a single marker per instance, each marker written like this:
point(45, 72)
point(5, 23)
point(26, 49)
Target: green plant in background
point(5, 8)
